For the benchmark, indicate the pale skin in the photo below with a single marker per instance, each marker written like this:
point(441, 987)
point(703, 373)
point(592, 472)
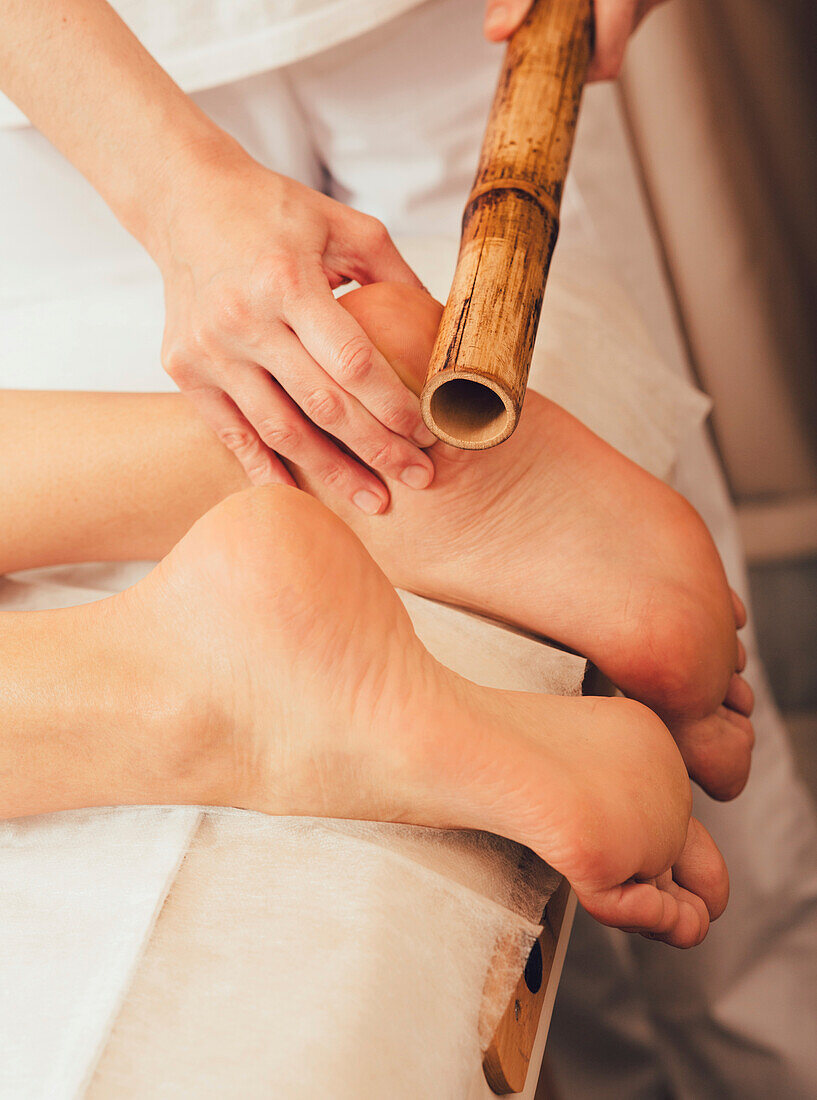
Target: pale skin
point(249, 258)
point(615, 21)
point(647, 601)
point(267, 663)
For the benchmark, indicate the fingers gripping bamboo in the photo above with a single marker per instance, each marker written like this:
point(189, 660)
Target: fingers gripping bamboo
point(479, 367)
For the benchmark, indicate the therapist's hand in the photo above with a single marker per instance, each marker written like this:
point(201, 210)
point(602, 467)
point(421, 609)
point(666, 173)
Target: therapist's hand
point(249, 258)
point(256, 340)
point(615, 22)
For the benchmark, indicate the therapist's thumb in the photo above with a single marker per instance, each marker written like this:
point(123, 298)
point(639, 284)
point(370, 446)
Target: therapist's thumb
point(381, 259)
point(502, 17)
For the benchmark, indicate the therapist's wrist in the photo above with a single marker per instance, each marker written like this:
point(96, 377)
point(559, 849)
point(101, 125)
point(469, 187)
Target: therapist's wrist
point(178, 175)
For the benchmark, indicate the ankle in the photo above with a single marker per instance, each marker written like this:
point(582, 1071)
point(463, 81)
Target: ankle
point(168, 716)
point(88, 721)
point(148, 734)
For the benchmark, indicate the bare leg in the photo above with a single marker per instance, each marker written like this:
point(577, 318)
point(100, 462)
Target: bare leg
point(554, 531)
point(89, 717)
point(267, 663)
point(111, 477)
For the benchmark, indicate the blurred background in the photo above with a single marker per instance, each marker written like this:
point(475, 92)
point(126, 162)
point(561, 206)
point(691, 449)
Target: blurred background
point(720, 103)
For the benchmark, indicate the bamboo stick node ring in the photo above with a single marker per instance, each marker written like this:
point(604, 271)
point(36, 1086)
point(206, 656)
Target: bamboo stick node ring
point(478, 372)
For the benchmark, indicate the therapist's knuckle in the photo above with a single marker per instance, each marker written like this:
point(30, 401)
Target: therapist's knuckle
point(378, 236)
point(335, 476)
point(380, 456)
point(275, 275)
point(607, 60)
point(282, 435)
point(231, 312)
point(206, 338)
point(324, 407)
point(241, 440)
point(180, 365)
point(606, 69)
point(354, 359)
point(400, 420)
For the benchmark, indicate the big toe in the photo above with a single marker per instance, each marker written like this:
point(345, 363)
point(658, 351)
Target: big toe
point(717, 751)
point(701, 870)
point(739, 609)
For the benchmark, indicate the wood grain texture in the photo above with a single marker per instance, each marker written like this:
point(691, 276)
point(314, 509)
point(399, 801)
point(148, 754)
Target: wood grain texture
point(479, 367)
point(506, 1060)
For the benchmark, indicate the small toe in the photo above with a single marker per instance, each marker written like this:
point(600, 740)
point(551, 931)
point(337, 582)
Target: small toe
point(692, 923)
point(658, 909)
point(741, 661)
point(739, 696)
point(739, 609)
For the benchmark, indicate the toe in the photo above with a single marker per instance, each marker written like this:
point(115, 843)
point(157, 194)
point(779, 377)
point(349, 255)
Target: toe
point(677, 906)
point(741, 721)
point(691, 923)
point(739, 696)
point(739, 608)
point(717, 751)
point(634, 906)
point(741, 661)
point(700, 869)
point(659, 909)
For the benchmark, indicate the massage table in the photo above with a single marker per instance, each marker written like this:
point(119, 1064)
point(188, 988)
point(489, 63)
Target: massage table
point(277, 957)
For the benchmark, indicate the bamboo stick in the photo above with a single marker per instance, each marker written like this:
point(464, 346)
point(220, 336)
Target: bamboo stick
point(479, 367)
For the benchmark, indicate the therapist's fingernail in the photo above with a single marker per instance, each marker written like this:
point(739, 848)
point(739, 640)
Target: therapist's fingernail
point(416, 477)
point(423, 437)
point(368, 503)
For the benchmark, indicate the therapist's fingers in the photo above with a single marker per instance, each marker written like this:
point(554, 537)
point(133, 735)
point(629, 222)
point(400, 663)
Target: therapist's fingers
point(360, 247)
point(377, 258)
point(336, 411)
point(502, 17)
point(615, 21)
point(261, 465)
point(335, 340)
point(284, 429)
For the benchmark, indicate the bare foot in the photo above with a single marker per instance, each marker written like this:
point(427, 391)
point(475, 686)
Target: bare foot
point(311, 694)
point(557, 532)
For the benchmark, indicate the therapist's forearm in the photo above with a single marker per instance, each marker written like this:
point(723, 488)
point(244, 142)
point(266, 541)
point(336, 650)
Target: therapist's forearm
point(104, 477)
point(86, 82)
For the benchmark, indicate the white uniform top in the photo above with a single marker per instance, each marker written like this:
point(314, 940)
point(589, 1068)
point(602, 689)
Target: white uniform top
point(204, 43)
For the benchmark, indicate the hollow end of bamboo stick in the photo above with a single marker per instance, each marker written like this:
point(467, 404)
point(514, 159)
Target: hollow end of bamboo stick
point(468, 410)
